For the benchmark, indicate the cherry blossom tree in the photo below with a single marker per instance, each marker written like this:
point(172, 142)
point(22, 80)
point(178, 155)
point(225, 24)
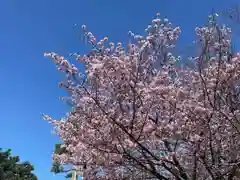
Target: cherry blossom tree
point(138, 115)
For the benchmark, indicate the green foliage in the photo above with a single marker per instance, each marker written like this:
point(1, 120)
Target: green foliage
point(56, 167)
point(12, 169)
point(59, 149)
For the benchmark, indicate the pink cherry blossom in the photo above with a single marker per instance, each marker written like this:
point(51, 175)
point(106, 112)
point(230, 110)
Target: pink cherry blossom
point(138, 115)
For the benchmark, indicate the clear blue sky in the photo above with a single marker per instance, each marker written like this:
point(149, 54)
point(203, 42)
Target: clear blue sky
point(29, 82)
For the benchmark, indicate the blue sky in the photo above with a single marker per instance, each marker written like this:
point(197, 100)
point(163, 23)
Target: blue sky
point(29, 82)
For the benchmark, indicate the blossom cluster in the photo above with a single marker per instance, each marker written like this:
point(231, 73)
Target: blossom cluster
point(137, 115)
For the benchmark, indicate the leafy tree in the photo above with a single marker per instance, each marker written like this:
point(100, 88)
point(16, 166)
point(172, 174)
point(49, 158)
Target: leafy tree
point(12, 169)
point(138, 115)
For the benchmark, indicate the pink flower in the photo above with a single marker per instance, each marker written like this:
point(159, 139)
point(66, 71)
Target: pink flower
point(148, 128)
point(136, 114)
